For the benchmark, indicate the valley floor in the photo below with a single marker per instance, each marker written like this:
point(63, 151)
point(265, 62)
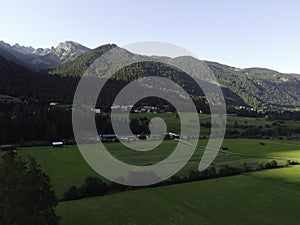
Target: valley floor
point(269, 197)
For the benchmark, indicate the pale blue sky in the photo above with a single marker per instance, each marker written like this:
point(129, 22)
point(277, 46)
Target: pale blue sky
point(242, 33)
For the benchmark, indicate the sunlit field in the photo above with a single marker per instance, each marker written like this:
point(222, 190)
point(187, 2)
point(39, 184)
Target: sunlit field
point(270, 197)
point(66, 166)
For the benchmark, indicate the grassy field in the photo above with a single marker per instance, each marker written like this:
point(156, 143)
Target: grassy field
point(253, 153)
point(269, 197)
point(173, 123)
point(289, 177)
point(66, 166)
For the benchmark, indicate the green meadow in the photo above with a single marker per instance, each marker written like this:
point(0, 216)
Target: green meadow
point(66, 167)
point(268, 197)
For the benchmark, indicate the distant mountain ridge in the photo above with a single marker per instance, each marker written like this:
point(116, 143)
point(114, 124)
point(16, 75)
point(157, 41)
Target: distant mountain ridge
point(252, 87)
point(255, 87)
point(42, 58)
point(260, 87)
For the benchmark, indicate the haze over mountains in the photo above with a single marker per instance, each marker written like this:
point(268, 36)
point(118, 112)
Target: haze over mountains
point(58, 69)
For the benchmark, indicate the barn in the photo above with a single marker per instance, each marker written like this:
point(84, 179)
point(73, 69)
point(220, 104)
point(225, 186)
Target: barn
point(108, 137)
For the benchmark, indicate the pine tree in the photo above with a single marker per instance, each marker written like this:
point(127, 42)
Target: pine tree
point(26, 197)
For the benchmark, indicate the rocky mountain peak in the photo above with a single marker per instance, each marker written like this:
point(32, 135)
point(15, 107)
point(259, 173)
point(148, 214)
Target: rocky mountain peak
point(42, 58)
point(68, 49)
point(23, 49)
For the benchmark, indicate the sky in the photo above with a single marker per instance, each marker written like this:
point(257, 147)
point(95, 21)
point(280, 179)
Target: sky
point(240, 33)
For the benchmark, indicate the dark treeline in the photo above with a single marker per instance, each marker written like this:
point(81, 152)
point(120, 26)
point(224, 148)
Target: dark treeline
point(270, 114)
point(33, 124)
point(285, 115)
point(245, 112)
point(94, 186)
point(21, 124)
point(276, 130)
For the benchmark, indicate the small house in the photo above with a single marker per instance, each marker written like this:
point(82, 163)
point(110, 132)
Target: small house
point(108, 137)
point(129, 138)
point(171, 136)
point(57, 144)
point(96, 110)
point(155, 137)
point(53, 103)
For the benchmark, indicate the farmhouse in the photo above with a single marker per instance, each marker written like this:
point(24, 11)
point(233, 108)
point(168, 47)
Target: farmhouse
point(122, 108)
point(146, 109)
point(155, 137)
point(53, 103)
point(96, 110)
point(172, 136)
point(129, 138)
point(108, 137)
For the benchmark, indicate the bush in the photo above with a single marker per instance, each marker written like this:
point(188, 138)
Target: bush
point(175, 180)
point(289, 162)
point(271, 165)
point(72, 194)
point(227, 171)
point(94, 186)
point(269, 132)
